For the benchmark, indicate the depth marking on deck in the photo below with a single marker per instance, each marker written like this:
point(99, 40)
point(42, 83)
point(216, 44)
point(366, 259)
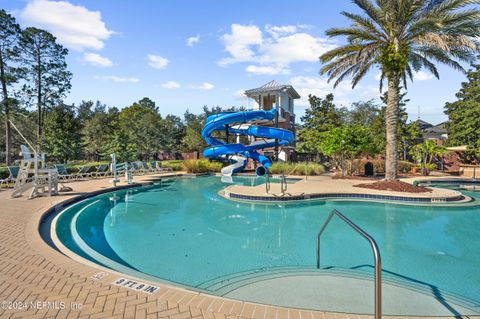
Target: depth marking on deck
point(100, 275)
point(136, 285)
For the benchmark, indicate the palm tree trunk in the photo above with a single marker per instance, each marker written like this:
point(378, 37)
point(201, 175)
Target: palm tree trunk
point(391, 128)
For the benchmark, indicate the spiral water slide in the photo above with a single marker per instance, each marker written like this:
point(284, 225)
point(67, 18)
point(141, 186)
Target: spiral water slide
point(236, 123)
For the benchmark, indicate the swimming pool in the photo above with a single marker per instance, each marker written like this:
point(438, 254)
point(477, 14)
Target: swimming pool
point(181, 231)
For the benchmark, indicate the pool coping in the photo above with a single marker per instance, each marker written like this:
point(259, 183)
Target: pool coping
point(98, 292)
point(349, 196)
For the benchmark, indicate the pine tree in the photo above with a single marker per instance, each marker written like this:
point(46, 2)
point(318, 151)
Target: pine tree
point(9, 35)
point(44, 62)
point(463, 124)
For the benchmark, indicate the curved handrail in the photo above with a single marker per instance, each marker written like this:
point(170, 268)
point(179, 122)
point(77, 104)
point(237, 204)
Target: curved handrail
point(376, 256)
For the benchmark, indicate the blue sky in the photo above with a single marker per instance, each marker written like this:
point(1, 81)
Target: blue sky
point(186, 54)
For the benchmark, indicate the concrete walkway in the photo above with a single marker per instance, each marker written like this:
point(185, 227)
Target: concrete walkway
point(36, 281)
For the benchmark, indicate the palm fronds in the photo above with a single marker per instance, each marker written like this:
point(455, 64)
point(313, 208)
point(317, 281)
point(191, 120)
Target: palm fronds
point(403, 36)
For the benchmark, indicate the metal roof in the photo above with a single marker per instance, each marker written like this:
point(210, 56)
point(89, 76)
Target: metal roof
point(271, 87)
point(423, 125)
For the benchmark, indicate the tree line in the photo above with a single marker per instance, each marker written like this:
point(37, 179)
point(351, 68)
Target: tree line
point(401, 38)
point(92, 131)
point(344, 134)
point(463, 125)
point(33, 74)
point(348, 133)
point(35, 80)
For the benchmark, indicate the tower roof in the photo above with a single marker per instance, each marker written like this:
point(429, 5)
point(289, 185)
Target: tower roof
point(273, 87)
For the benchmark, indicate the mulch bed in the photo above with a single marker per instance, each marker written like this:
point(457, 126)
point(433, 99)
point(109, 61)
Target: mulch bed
point(395, 186)
point(354, 177)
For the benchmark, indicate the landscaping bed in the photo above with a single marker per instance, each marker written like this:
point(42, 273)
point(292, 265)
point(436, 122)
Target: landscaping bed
point(360, 177)
point(395, 186)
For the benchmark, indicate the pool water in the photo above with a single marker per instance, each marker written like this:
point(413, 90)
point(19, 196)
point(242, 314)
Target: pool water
point(182, 231)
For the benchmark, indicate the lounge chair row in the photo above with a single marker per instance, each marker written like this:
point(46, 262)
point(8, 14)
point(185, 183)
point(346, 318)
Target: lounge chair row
point(103, 170)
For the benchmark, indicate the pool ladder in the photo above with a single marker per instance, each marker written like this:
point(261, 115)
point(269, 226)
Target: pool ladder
point(376, 256)
point(283, 183)
point(267, 183)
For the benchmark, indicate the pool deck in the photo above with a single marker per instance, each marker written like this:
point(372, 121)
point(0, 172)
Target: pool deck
point(32, 271)
point(326, 186)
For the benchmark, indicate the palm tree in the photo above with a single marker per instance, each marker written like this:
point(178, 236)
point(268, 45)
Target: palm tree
point(402, 37)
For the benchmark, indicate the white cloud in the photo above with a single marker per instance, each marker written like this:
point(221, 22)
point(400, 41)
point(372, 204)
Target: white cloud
point(203, 86)
point(418, 76)
point(191, 41)
point(267, 70)
point(117, 79)
point(239, 43)
point(274, 50)
point(97, 60)
point(297, 47)
point(319, 87)
point(157, 62)
point(422, 76)
point(170, 85)
point(276, 31)
point(370, 92)
point(74, 26)
point(240, 94)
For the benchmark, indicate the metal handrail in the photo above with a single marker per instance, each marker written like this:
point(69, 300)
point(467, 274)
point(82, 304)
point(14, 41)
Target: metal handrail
point(267, 183)
point(283, 185)
point(376, 256)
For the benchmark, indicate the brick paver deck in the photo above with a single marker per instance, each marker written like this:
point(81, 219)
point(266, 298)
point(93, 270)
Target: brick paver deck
point(36, 281)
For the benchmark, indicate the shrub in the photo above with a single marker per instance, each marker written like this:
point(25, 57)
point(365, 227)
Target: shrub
point(302, 168)
point(280, 168)
point(173, 161)
point(358, 166)
point(3, 172)
point(379, 166)
point(174, 165)
point(405, 167)
point(427, 168)
point(202, 166)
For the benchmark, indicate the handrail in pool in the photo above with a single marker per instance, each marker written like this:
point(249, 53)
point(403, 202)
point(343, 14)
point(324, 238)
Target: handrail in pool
point(376, 256)
point(284, 185)
point(267, 183)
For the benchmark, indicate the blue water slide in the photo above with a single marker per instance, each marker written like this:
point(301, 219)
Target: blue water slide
point(238, 153)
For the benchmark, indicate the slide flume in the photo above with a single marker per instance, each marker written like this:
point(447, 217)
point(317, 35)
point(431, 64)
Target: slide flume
point(237, 152)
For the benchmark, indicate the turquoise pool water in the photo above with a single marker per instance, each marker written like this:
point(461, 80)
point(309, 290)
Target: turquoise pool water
point(182, 231)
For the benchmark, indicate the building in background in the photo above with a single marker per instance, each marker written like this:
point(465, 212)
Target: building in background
point(437, 133)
